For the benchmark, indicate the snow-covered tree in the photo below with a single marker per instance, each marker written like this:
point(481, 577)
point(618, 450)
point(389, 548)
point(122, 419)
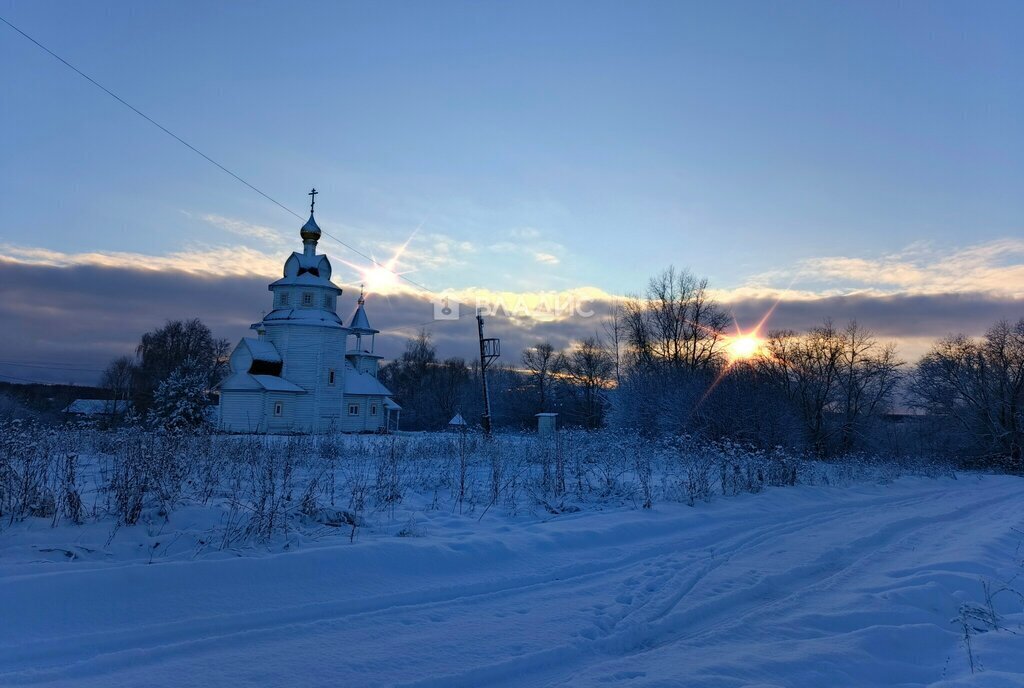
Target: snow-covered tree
point(180, 400)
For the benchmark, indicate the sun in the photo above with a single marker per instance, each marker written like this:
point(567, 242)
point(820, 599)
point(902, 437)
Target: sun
point(744, 347)
point(380, 279)
point(383, 278)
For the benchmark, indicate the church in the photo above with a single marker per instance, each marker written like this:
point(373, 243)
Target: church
point(306, 371)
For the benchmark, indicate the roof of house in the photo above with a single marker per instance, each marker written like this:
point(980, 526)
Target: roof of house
point(97, 407)
point(359, 320)
point(274, 383)
point(357, 382)
point(304, 316)
point(243, 381)
point(391, 405)
point(262, 350)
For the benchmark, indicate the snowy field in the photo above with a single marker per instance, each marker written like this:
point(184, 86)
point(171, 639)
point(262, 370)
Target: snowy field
point(873, 583)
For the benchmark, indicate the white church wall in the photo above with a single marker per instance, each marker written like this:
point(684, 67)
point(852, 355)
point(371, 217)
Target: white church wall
point(242, 411)
point(366, 364)
point(309, 354)
point(364, 421)
point(294, 412)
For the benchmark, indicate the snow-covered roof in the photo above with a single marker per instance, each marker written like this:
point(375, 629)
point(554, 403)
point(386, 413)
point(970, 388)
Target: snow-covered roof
point(306, 279)
point(262, 350)
point(97, 407)
point(391, 405)
point(364, 353)
point(307, 269)
point(360, 323)
point(357, 382)
point(457, 420)
point(273, 383)
point(243, 381)
point(302, 316)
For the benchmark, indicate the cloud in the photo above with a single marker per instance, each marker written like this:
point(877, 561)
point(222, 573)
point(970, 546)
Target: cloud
point(84, 314)
point(995, 267)
point(265, 234)
point(423, 251)
point(200, 260)
point(526, 244)
point(525, 233)
point(79, 310)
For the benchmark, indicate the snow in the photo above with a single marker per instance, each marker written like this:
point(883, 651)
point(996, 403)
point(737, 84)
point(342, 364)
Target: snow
point(262, 350)
point(277, 384)
point(359, 382)
point(95, 407)
point(360, 321)
point(796, 586)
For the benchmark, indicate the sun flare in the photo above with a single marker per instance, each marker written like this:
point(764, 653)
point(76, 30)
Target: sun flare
point(379, 279)
point(744, 347)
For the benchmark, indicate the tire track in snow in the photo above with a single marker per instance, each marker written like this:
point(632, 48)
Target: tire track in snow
point(667, 626)
point(111, 653)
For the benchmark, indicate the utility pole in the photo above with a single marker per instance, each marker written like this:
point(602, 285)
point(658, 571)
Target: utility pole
point(490, 349)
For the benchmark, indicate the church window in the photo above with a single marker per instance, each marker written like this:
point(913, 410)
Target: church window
point(282, 298)
point(373, 409)
point(353, 409)
point(328, 301)
point(278, 408)
point(330, 376)
point(307, 298)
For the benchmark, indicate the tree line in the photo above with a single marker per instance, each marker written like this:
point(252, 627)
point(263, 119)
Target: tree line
point(659, 363)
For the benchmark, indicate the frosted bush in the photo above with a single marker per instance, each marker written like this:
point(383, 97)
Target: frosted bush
point(264, 487)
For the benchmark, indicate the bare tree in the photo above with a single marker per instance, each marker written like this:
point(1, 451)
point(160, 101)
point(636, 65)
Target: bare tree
point(978, 387)
point(868, 375)
point(615, 334)
point(117, 380)
point(830, 373)
point(589, 367)
point(541, 362)
point(807, 368)
point(676, 324)
point(449, 387)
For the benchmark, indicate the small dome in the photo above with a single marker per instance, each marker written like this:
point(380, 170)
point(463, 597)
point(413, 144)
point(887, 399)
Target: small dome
point(311, 230)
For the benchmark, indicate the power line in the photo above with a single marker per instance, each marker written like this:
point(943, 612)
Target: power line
point(13, 378)
point(202, 154)
point(54, 366)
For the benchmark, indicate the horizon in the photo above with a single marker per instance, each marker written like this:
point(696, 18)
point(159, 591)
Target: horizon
point(845, 161)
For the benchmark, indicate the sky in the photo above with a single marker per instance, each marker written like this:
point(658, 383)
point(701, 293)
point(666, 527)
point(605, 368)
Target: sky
point(855, 160)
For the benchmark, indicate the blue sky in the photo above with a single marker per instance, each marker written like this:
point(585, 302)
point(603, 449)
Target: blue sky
point(536, 146)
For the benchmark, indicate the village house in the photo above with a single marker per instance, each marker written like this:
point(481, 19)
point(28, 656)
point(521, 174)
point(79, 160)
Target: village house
point(306, 371)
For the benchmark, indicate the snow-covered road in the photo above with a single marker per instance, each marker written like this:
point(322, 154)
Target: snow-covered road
point(805, 586)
